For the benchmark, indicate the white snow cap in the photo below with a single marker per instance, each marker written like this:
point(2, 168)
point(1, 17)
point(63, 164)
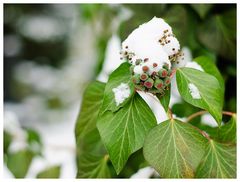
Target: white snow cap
point(153, 40)
point(194, 91)
point(121, 93)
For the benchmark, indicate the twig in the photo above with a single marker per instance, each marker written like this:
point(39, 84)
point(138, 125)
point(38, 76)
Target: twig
point(203, 112)
point(170, 114)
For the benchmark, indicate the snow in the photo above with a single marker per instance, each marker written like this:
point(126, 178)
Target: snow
point(121, 93)
point(194, 91)
point(143, 43)
point(172, 47)
point(194, 65)
point(145, 172)
point(112, 58)
point(12, 126)
point(153, 102)
point(207, 119)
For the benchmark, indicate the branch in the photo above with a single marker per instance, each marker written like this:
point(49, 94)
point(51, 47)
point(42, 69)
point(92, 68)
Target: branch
point(194, 115)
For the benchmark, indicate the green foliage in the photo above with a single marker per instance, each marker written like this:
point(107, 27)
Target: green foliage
point(165, 99)
point(120, 75)
point(209, 67)
point(7, 139)
point(92, 166)
point(91, 158)
point(174, 149)
point(21, 158)
point(209, 89)
point(218, 33)
point(228, 132)
point(123, 132)
point(219, 161)
point(50, 172)
point(202, 9)
point(34, 141)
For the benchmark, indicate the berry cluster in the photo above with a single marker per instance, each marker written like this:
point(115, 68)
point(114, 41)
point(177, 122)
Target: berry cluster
point(156, 83)
point(175, 52)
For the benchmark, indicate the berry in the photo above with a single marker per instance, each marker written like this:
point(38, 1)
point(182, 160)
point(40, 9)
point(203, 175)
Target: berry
point(149, 83)
point(144, 77)
point(145, 60)
point(145, 68)
point(167, 81)
point(136, 79)
point(158, 84)
point(163, 73)
point(154, 73)
point(155, 65)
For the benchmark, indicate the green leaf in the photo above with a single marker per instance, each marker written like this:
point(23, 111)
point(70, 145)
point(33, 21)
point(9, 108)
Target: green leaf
point(93, 166)
point(18, 163)
point(7, 139)
point(228, 132)
point(219, 161)
point(174, 149)
point(92, 100)
point(218, 33)
point(50, 172)
point(34, 141)
point(208, 87)
point(91, 154)
point(124, 131)
point(202, 9)
point(165, 99)
point(209, 67)
point(121, 75)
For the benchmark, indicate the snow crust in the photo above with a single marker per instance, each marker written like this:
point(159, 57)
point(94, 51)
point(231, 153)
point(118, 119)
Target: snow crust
point(121, 93)
point(194, 91)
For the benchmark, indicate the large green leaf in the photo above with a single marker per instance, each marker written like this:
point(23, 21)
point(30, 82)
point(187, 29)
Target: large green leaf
point(227, 132)
point(92, 100)
point(50, 172)
point(208, 87)
point(93, 166)
point(209, 67)
point(174, 149)
point(121, 75)
point(165, 99)
point(91, 153)
point(124, 131)
point(218, 162)
point(18, 162)
point(218, 33)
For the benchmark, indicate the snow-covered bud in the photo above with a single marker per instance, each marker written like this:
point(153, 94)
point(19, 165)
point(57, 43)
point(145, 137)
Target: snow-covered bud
point(152, 49)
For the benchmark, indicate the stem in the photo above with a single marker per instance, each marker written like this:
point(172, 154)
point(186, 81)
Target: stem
point(170, 114)
point(203, 133)
point(194, 115)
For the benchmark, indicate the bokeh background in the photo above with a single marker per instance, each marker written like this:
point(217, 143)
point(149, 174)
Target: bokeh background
point(52, 51)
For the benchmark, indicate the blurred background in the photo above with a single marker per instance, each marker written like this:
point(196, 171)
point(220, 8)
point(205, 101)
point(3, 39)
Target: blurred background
point(52, 51)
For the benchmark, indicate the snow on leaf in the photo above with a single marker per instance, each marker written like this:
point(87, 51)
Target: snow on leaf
point(121, 93)
point(194, 91)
